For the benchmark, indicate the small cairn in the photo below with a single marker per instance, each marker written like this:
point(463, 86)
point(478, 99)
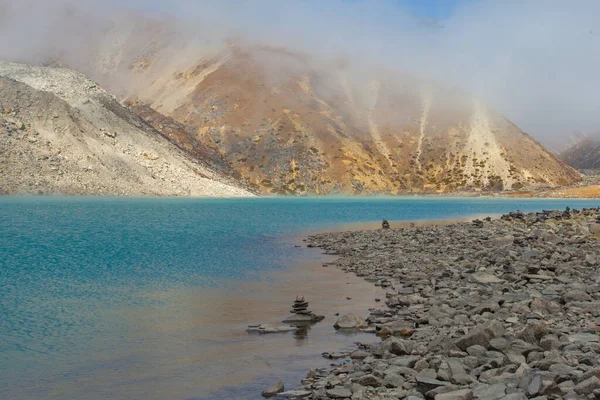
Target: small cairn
point(301, 313)
point(300, 306)
point(385, 224)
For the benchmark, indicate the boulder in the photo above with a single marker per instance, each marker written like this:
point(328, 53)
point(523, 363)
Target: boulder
point(481, 335)
point(463, 394)
point(273, 390)
point(339, 392)
point(350, 321)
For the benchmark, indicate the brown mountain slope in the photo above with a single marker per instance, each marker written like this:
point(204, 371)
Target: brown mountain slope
point(290, 124)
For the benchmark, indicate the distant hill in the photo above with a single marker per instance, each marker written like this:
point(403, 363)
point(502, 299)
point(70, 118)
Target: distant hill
point(584, 154)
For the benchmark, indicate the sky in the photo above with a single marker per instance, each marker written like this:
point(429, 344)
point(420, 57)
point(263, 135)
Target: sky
point(437, 9)
point(534, 61)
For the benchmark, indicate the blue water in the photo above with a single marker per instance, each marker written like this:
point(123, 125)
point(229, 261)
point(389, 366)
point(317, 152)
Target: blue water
point(75, 272)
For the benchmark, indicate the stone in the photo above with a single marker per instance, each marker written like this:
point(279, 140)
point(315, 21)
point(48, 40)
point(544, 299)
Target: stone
point(303, 318)
point(458, 375)
point(539, 277)
point(576, 295)
point(534, 386)
point(490, 392)
point(266, 328)
point(393, 381)
point(514, 396)
point(463, 394)
point(339, 393)
point(594, 229)
point(476, 350)
point(485, 278)
point(481, 335)
point(385, 224)
point(396, 346)
point(533, 332)
point(350, 321)
point(273, 390)
point(369, 380)
point(295, 394)
point(426, 384)
point(591, 260)
point(584, 337)
point(587, 386)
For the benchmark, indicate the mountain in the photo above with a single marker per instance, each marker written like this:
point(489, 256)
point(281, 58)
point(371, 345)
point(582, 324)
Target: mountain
point(292, 124)
point(61, 133)
point(584, 153)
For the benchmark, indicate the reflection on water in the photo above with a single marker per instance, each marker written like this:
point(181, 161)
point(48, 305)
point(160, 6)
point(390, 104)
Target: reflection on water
point(193, 344)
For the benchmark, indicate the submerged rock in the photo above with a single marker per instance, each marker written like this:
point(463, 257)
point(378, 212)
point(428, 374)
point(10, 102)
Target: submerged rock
point(350, 321)
point(273, 390)
point(266, 328)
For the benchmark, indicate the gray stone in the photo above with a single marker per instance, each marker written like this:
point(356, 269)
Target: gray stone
point(426, 384)
point(491, 392)
point(514, 396)
point(393, 381)
point(266, 328)
point(576, 295)
point(534, 386)
point(339, 393)
point(369, 380)
point(350, 321)
point(396, 346)
point(458, 375)
point(587, 386)
point(584, 337)
point(273, 390)
point(463, 394)
point(295, 394)
point(481, 335)
point(485, 279)
point(405, 361)
point(299, 318)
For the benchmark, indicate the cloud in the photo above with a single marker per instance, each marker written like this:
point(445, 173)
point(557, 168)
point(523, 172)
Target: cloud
point(534, 61)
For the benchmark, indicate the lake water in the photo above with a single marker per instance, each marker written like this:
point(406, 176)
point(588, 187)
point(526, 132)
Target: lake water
point(114, 298)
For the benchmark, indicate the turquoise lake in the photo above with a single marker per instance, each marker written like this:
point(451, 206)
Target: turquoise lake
point(117, 298)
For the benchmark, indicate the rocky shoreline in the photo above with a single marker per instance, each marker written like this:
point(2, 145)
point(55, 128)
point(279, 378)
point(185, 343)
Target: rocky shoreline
point(505, 308)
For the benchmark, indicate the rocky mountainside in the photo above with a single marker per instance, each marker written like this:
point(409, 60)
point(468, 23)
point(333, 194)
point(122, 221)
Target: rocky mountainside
point(584, 154)
point(60, 133)
point(293, 125)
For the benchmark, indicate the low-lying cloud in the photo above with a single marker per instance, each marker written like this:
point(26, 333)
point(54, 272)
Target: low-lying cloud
point(534, 61)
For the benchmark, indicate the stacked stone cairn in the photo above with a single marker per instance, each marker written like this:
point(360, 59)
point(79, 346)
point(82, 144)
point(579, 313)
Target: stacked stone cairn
point(301, 313)
point(300, 306)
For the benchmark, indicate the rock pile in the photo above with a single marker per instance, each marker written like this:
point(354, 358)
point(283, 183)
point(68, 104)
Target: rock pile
point(301, 313)
point(501, 309)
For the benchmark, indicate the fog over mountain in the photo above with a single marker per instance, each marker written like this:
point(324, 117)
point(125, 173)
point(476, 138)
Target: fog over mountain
point(534, 62)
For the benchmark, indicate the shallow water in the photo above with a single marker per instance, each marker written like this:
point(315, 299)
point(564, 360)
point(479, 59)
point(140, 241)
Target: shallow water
point(149, 298)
